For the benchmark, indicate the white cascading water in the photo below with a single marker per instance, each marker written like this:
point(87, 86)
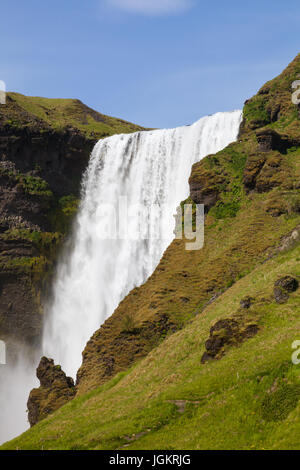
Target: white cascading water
point(150, 167)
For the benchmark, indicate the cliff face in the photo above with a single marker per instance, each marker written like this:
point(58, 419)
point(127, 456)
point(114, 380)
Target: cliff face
point(44, 149)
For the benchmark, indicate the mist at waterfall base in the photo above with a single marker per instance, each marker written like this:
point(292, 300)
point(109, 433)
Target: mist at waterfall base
point(93, 276)
point(150, 167)
point(15, 384)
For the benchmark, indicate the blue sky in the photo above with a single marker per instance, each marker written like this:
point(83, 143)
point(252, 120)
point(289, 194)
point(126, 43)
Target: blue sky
point(159, 63)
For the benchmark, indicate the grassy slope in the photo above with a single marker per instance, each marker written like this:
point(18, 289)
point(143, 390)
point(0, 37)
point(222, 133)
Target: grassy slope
point(185, 281)
point(61, 113)
point(230, 393)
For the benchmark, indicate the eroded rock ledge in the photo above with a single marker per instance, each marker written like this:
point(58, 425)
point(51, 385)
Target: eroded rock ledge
point(55, 390)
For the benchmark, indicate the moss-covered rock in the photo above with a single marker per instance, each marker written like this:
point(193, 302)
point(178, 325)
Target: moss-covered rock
point(228, 332)
point(283, 287)
point(55, 390)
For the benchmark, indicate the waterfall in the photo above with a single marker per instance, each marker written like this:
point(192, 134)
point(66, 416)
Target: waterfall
point(149, 167)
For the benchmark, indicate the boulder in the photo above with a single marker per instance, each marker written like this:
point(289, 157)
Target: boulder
point(288, 283)
point(283, 287)
point(227, 332)
point(246, 302)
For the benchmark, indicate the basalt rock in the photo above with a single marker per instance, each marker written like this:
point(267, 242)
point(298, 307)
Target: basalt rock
point(246, 302)
point(283, 287)
point(288, 283)
point(58, 157)
point(205, 185)
point(268, 139)
point(55, 390)
point(227, 332)
point(265, 171)
point(38, 165)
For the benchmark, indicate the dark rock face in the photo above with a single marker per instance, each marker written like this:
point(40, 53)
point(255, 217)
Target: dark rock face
point(21, 321)
point(254, 164)
point(58, 157)
point(227, 332)
point(280, 295)
point(205, 185)
point(283, 287)
point(55, 390)
point(31, 155)
point(202, 196)
point(246, 302)
point(268, 139)
point(288, 283)
point(264, 172)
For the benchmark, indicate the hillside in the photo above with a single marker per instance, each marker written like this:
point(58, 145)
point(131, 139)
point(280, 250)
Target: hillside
point(199, 357)
point(63, 113)
point(247, 400)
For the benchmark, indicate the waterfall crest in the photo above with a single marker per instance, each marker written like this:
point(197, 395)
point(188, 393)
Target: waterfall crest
point(150, 167)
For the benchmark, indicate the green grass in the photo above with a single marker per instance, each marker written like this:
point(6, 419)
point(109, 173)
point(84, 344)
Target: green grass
point(222, 210)
point(255, 110)
point(247, 400)
point(34, 185)
point(273, 104)
point(63, 212)
point(61, 113)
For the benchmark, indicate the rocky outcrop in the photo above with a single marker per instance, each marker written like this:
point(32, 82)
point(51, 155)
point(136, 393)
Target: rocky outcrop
point(55, 390)
point(246, 302)
point(268, 170)
point(268, 139)
point(283, 287)
point(205, 185)
point(243, 324)
point(226, 333)
point(58, 157)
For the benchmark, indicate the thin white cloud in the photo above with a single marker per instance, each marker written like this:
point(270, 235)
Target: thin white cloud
point(152, 7)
